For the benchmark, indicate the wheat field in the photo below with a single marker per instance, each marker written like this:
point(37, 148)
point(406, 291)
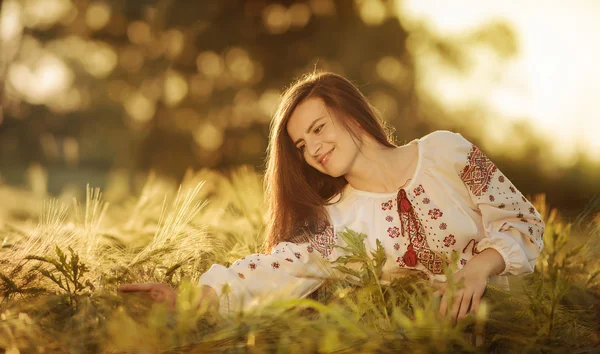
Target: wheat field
point(63, 257)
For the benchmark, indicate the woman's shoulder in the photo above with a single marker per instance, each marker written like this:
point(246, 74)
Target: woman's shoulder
point(443, 146)
point(441, 138)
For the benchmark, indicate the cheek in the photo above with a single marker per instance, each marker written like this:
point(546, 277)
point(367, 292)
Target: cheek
point(313, 163)
point(331, 135)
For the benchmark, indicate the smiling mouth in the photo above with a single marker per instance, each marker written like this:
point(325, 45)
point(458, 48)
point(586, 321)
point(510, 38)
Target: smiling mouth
point(323, 160)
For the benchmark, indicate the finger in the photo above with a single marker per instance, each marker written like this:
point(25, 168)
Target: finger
point(444, 304)
point(135, 287)
point(464, 305)
point(440, 290)
point(475, 304)
point(476, 301)
point(456, 305)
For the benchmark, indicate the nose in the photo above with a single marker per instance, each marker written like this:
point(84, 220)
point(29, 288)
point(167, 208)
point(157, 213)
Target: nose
point(314, 147)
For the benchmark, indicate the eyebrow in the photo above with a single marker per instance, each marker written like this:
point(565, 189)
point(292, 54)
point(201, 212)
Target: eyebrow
point(309, 129)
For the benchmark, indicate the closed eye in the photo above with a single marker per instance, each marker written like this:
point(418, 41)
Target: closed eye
point(317, 130)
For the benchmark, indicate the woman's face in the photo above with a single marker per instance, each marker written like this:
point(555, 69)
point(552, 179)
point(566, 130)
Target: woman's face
point(323, 141)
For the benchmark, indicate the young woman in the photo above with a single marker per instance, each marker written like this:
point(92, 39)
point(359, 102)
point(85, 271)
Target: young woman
point(331, 166)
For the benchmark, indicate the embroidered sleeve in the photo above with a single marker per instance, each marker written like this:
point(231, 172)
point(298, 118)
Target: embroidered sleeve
point(291, 270)
point(512, 225)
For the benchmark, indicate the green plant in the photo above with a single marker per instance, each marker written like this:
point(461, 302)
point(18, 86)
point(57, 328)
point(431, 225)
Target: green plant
point(67, 272)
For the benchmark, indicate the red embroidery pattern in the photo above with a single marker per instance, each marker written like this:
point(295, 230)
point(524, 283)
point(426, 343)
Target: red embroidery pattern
point(419, 190)
point(310, 249)
point(463, 262)
point(252, 266)
point(275, 265)
point(411, 225)
point(242, 276)
point(443, 226)
point(492, 198)
point(435, 213)
point(387, 205)
point(289, 260)
point(478, 171)
point(389, 218)
point(323, 241)
point(426, 201)
point(449, 240)
point(393, 232)
point(532, 210)
point(298, 255)
point(410, 257)
point(396, 246)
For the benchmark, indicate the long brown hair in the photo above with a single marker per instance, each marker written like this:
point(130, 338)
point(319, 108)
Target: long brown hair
point(296, 193)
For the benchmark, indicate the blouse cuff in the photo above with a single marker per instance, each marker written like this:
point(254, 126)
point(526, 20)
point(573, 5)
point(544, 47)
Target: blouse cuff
point(218, 277)
point(515, 260)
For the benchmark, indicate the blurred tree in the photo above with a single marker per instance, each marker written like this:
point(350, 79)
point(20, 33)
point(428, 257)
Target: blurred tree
point(182, 77)
point(171, 84)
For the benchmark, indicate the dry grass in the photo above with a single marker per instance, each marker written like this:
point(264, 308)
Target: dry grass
point(61, 261)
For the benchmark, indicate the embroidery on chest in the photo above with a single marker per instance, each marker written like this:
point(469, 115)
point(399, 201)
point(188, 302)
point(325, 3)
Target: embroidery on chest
point(478, 172)
point(323, 241)
point(418, 249)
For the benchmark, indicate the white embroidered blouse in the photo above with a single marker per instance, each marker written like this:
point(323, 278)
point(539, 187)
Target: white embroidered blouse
point(457, 200)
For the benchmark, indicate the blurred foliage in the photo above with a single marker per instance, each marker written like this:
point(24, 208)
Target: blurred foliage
point(66, 302)
point(94, 86)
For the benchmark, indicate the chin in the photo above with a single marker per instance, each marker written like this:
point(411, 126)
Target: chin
point(334, 174)
point(323, 170)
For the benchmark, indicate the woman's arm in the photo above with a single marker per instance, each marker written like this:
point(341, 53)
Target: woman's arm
point(290, 271)
point(513, 228)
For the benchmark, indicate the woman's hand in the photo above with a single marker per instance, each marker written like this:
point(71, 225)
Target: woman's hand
point(162, 293)
point(475, 275)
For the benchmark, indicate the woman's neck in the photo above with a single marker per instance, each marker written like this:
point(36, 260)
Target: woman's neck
point(382, 169)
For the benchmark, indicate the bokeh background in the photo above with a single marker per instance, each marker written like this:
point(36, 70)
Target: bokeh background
point(101, 92)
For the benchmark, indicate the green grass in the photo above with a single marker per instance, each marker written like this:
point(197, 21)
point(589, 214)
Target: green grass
point(61, 262)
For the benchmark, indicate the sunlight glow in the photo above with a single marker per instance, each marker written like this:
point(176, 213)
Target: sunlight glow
point(97, 15)
point(140, 108)
point(176, 88)
point(276, 18)
point(48, 78)
point(299, 15)
point(372, 12)
point(239, 64)
point(100, 59)
point(45, 13)
point(210, 64)
point(10, 20)
point(139, 32)
point(553, 82)
point(173, 41)
point(208, 136)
